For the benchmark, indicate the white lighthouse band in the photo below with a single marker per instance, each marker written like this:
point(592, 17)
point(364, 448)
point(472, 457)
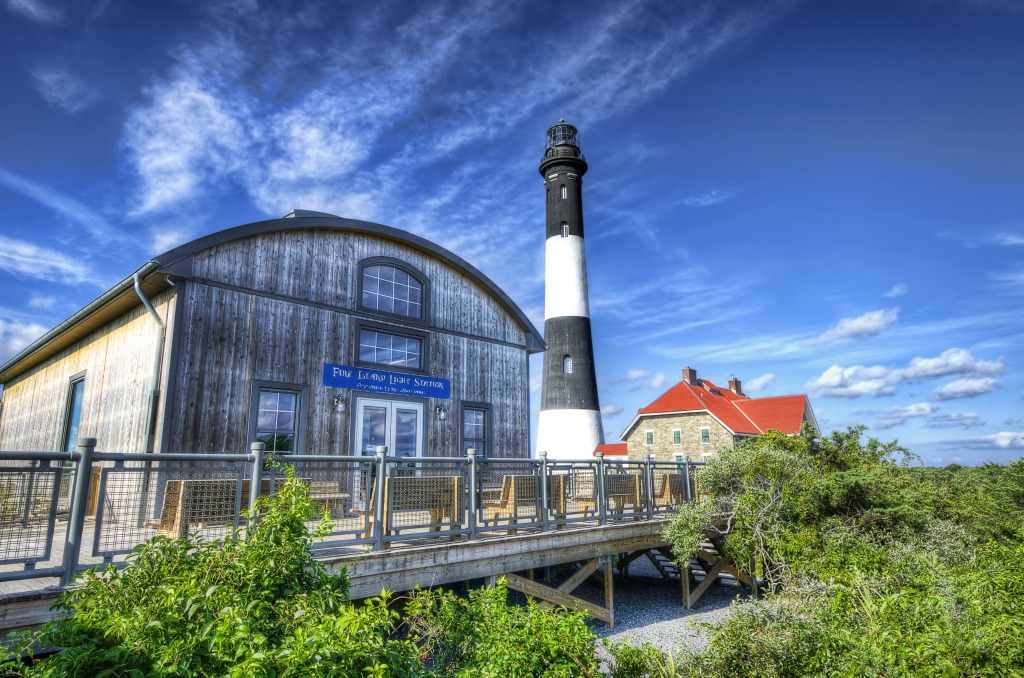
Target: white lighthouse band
point(569, 434)
point(565, 276)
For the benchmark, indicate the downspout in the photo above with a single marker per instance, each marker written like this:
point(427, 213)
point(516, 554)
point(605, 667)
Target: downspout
point(154, 393)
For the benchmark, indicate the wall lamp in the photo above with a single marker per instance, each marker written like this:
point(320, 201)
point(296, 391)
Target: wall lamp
point(442, 412)
point(339, 404)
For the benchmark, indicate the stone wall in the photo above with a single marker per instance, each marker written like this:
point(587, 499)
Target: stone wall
point(689, 426)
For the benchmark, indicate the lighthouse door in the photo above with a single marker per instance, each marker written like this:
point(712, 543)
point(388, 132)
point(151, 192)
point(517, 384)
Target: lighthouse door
point(394, 423)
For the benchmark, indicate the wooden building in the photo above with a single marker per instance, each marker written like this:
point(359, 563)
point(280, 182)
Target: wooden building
point(695, 419)
point(313, 333)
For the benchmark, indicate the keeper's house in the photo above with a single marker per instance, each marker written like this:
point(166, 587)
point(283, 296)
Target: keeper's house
point(312, 333)
point(696, 419)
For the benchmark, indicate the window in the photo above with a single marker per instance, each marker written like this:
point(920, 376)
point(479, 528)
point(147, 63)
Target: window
point(385, 348)
point(705, 434)
point(677, 437)
point(650, 437)
point(565, 193)
point(565, 230)
point(567, 364)
point(73, 412)
point(475, 427)
point(277, 419)
point(390, 289)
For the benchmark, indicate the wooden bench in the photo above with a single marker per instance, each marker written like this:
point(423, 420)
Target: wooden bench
point(439, 496)
point(671, 491)
point(519, 498)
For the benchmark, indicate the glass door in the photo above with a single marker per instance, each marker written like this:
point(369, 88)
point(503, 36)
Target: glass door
point(394, 423)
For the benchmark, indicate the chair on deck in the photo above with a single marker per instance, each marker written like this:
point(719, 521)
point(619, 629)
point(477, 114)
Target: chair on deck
point(671, 491)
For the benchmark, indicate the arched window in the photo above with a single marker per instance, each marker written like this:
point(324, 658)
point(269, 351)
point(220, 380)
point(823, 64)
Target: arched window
point(565, 193)
point(565, 230)
point(392, 290)
point(567, 364)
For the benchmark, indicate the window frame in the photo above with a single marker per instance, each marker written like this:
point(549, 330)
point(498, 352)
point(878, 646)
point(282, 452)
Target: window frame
point(649, 438)
point(488, 438)
point(567, 363)
point(301, 392)
point(409, 333)
point(705, 435)
point(405, 267)
point(69, 406)
point(677, 436)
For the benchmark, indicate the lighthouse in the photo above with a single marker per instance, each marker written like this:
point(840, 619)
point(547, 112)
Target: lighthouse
point(570, 416)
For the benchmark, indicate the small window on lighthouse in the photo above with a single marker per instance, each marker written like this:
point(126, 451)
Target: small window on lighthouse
point(565, 230)
point(565, 193)
point(567, 364)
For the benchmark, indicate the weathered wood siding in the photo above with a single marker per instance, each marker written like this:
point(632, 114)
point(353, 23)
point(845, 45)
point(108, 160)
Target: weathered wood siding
point(231, 337)
point(118, 361)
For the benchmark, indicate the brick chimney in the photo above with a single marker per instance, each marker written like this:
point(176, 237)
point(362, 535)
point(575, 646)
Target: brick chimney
point(690, 376)
point(735, 387)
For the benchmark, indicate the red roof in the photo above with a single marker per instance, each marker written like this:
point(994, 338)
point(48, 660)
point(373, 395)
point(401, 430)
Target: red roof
point(739, 413)
point(612, 449)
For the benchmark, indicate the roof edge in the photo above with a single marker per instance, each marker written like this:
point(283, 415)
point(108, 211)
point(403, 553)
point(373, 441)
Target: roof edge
point(304, 219)
point(18, 364)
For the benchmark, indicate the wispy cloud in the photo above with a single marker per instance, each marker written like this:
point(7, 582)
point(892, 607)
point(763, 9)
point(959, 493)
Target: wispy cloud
point(27, 260)
point(41, 302)
point(1004, 440)
point(955, 420)
point(966, 388)
point(16, 335)
point(610, 410)
point(758, 383)
point(1008, 239)
point(861, 327)
point(898, 290)
point(876, 380)
point(73, 210)
point(63, 90)
point(36, 10)
point(708, 199)
point(899, 415)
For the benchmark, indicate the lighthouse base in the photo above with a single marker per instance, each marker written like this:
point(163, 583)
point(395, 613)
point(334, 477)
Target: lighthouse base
point(569, 434)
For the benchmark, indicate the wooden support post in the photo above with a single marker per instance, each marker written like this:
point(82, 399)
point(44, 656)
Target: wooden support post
point(754, 590)
point(686, 586)
point(573, 582)
point(609, 590)
point(530, 588)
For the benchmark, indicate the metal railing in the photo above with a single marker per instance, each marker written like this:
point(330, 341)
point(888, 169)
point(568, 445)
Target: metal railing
point(61, 513)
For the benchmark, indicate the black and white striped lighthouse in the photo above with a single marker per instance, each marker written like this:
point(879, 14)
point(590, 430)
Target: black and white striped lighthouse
point(570, 416)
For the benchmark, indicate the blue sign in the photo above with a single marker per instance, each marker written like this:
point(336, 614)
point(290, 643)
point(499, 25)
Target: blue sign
point(382, 381)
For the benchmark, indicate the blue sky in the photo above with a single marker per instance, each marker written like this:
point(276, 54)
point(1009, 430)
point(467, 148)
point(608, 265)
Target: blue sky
point(816, 197)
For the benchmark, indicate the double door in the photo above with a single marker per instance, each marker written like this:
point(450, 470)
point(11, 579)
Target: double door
point(394, 423)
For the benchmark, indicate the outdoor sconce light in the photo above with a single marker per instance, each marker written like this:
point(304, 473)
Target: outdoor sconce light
point(339, 404)
point(442, 412)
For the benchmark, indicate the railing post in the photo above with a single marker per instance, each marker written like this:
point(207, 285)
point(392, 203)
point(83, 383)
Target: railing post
point(378, 499)
point(471, 457)
point(686, 482)
point(76, 520)
point(256, 477)
point(602, 491)
point(543, 480)
point(649, 481)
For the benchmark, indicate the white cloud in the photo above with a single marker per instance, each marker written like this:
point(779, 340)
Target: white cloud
point(36, 10)
point(1008, 239)
point(876, 380)
point(43, 303)
point(1004, 440)
point(633, 375)
point(898, 290)
point(758, 383)
point(861, 327)
point(536, 383)
point(73, 210)
point(1009, 282)
point(708, 199)
point(658, 381)
point(955, 419)
point(16, 335)
point(63, 90)
point(610, 410)
point(965, 388)
point(27, 260)
point(899, 415)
